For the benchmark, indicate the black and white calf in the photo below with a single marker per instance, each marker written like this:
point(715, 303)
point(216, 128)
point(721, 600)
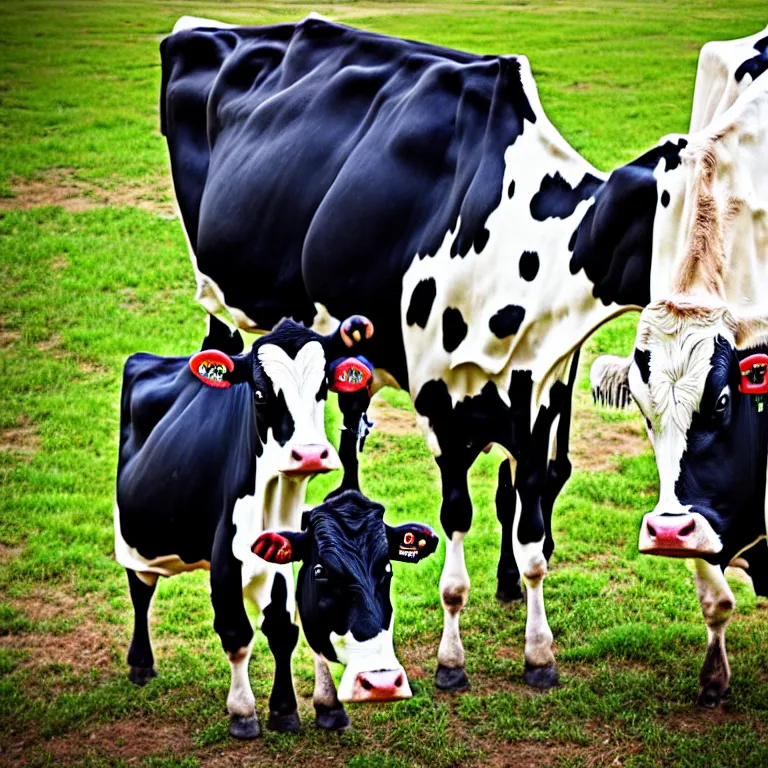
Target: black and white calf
point(214, 450)
point(698, 368)
point(343, 595)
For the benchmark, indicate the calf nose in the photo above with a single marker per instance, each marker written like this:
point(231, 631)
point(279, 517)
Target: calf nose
point(382, 685)
point(309, 459)
point(668, 533)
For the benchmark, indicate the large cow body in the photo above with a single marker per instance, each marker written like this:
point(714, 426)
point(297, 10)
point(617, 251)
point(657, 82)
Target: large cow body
point(207, 463)
point(315, 164)
point(708, 314)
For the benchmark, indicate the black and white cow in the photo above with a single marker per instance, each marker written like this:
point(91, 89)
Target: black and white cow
point(213, 451)
point(698, 368)
point(321, 169)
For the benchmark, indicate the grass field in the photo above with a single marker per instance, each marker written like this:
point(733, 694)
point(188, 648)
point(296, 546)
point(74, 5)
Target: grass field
point(94, 266)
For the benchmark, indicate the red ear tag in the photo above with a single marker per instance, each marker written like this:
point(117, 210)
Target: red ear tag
point(211, 366)
point(350, 375)
point(754, 380)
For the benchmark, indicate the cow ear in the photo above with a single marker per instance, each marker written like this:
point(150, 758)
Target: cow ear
point(280, 548)
point(355, 329)
point(411, 542)
point(350, 338)
point(751, 329)
point(350, 374)
point(609, 380)
point(213, 368)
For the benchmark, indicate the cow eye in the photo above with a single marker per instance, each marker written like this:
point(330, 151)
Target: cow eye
point(722, 401)
point(387, 573)
point(319, 572)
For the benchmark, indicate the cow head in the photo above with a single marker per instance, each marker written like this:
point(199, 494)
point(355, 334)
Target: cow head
point(343, 589)
point(706, 423)
point(290, 371)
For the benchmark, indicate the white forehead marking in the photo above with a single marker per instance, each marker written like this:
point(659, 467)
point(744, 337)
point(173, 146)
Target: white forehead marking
point(296, 379)
point(681, 354)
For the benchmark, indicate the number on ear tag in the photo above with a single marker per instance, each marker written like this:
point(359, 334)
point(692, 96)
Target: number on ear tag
point(211, 366)
point(350, 375)
point(754, 378)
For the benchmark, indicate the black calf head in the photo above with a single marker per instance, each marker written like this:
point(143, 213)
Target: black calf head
point(343, 590)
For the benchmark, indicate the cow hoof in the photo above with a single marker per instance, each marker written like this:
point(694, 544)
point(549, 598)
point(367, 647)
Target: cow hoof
point(710, 696)
point(332, 719)
point(141, 675)
point(451, 678)
point(542, 678)
point(288, 723)
point(244, 727)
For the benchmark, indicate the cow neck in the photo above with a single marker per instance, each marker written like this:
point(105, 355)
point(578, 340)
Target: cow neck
point(276, 503)
point(707, 240)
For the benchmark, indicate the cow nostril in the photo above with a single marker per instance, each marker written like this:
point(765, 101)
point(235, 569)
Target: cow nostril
point(688, 529)
point(399, 681)
point(295, 455)
point(367, 684)
point(651, 530)
point(324, 454)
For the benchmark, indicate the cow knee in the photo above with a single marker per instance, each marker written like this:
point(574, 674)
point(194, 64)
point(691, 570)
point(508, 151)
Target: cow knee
point(454, 596)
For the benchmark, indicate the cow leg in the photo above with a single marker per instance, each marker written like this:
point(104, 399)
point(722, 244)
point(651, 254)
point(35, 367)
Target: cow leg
point(233, 627)
point(507, 575)
point(282, 635)
point(456, 518)
point(352, 405)
point(528, 541)
point(717, 604)
point(559, 466)
point(140, 657)
point(330, 714)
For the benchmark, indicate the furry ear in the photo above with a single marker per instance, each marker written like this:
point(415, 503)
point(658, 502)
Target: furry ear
point(609, 380)
point(751, 328)
point(411, 542)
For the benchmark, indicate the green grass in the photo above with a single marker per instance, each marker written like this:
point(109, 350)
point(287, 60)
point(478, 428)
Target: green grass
point(82, 290)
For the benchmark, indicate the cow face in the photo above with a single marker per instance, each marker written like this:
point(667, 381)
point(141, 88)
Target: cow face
point(708, 434)
point(343, 589)
point(290, 371)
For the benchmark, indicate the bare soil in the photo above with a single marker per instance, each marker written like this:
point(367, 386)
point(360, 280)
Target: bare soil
point(61, 187)
point(391, 420)
point(21, 439)
point(127, 740)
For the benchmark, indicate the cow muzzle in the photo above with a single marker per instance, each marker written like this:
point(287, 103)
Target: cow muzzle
point(310, 459)
point(380, 686)
point(678, 535)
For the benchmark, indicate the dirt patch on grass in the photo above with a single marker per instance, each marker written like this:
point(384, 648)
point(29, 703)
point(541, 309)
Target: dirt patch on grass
point(8, 553)
point(86, 648)
point(20, 440)
point(61, 187)
point(597, 445)
point(127, 740)
point(391, 420)
point(8, 337)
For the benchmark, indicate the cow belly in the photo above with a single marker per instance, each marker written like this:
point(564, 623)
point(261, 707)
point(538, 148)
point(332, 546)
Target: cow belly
point(148, 569)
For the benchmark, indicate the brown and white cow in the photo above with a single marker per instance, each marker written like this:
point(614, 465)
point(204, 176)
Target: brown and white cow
point(699, 363)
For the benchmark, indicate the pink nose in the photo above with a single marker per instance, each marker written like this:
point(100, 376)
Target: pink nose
point(670, 534)
point(383, 685)
point(309, 460)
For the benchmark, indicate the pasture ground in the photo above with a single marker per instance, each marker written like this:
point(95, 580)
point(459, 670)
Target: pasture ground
point(93, 266)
